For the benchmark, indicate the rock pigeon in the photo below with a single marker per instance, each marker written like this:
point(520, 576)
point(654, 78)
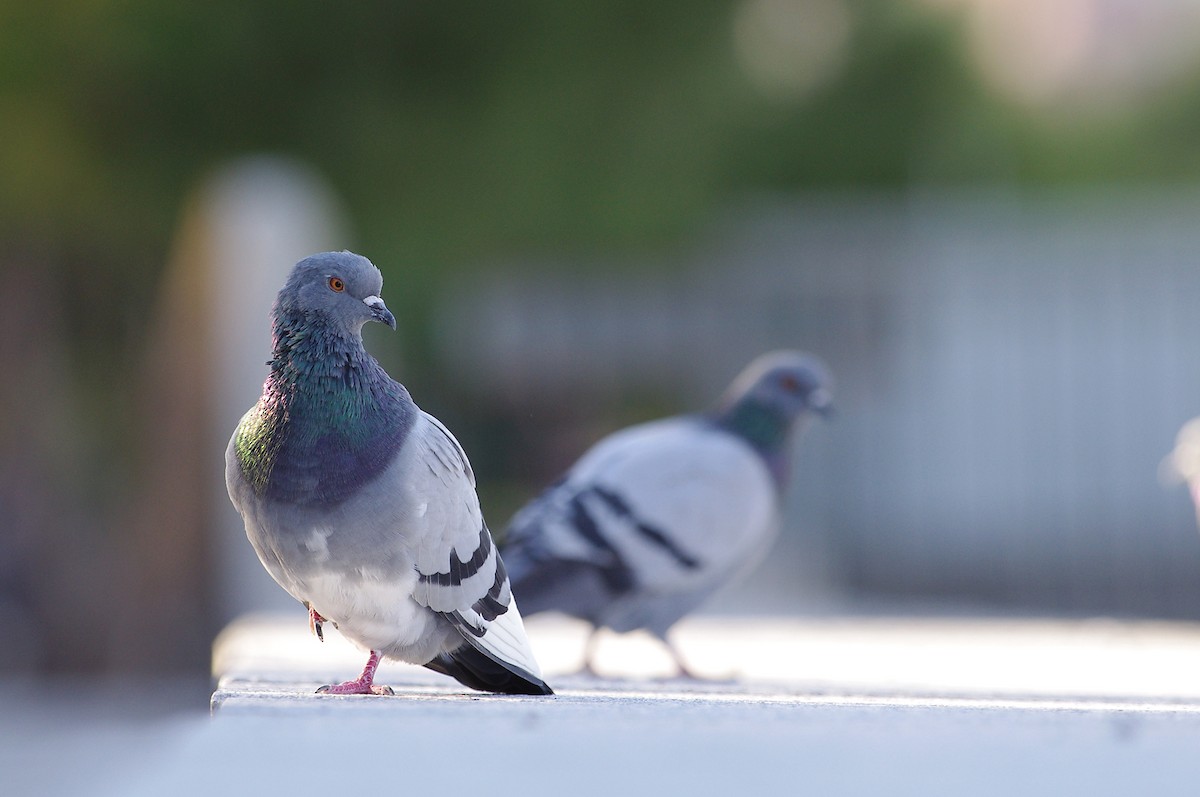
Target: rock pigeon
point(362, 506)
point(654, 518)
point(1183, 463)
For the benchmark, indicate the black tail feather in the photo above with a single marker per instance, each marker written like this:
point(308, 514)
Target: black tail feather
point(474, 668)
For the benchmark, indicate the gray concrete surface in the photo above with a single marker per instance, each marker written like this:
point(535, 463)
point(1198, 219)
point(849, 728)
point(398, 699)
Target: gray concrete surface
point(853, 706)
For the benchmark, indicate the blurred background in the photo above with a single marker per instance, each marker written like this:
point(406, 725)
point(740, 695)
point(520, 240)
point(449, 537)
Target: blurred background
point(982, 214)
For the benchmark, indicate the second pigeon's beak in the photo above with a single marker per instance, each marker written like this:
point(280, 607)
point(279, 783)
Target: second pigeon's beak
point(379, 311)
point(820, 402)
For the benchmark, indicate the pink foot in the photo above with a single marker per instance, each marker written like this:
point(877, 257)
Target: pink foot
point(362, 685)
point(355, 687)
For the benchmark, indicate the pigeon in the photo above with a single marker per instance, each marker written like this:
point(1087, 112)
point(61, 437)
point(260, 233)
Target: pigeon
point(362, 506)
point(1183, 463)
point(654, 518)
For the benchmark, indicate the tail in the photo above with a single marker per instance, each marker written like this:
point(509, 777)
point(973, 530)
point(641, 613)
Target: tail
point(578, 589)
point(473, 667)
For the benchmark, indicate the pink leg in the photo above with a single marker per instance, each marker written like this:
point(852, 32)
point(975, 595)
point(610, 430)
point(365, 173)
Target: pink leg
point(314, 623)
point(589, 653)
point(362, 685)
point(684, 671)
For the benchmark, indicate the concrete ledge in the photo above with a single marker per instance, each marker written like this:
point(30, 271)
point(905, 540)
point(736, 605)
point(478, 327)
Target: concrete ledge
point(864, 706)
point(261, 661)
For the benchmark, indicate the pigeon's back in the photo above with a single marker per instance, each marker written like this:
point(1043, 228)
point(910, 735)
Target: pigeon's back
point(645, 526)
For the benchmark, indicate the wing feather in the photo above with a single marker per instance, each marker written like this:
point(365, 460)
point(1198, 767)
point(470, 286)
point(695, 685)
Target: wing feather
point(460, 573)
point(670, 506)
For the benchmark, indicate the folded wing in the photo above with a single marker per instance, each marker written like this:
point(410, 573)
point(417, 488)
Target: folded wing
point(674, 507)
point(461, 576)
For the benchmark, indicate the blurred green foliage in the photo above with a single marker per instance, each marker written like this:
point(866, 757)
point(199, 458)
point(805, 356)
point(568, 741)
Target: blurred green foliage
point(465, 132)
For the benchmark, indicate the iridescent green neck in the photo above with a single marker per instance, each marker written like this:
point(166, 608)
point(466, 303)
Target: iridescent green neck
point(328, 421)
point(768, 432)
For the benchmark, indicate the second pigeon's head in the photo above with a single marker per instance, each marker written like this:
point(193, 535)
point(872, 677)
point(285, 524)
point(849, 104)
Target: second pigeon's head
point(784, 384)
point(341, 289)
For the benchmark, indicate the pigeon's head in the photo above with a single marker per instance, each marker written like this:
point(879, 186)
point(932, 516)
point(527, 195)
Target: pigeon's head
point(785, 384)
point(341, 288)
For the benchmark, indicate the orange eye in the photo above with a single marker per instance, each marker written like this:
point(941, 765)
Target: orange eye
point(336, 284)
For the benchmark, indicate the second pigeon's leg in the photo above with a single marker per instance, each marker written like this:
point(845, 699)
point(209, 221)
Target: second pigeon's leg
point(363, 684)
point(680, 664)
point(589, 654)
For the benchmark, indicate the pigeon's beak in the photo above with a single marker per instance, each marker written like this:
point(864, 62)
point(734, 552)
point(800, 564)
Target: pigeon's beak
point(379, 311)
point(820, 402)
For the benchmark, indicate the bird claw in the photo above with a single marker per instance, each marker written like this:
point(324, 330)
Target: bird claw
point(363, 684)
point(356, 688)
point(314, 623)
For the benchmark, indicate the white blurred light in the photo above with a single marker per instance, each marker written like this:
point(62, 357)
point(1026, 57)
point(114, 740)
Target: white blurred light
point(905, 657)
point(1081, 54)
point(1029, 49)
point(1183, 463)
point(788, 48)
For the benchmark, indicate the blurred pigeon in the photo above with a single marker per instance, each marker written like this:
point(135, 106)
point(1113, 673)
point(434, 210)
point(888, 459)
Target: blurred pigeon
point(654, 518)
point(362, 506)
point(1183, 463)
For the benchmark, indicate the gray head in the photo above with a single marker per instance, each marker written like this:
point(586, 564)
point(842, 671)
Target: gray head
point(785, 383)
point(341, 289)
point(771, 401)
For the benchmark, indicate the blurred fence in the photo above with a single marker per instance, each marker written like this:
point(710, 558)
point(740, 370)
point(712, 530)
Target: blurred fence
point(1011, 371)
